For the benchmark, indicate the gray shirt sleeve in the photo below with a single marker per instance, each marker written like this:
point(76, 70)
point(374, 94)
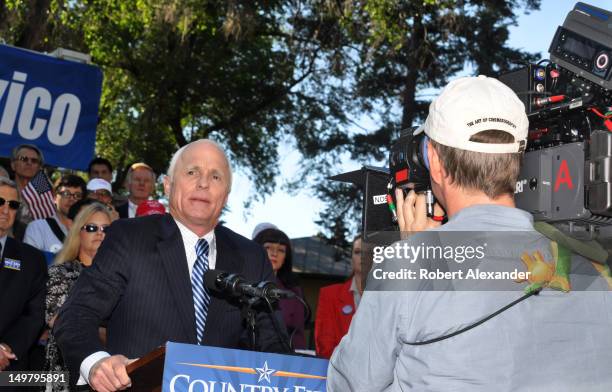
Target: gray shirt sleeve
point(365, 359)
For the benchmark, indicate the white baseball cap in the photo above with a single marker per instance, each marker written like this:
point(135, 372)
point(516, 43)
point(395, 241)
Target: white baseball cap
point(470, 105)
point(99, 183)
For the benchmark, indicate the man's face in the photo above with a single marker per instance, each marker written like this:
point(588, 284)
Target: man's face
point(101, 195)
point(100, 170)
point(27, 163)
point(66, 196)
point(141, 186)
point(199, 187)
point(7, 214)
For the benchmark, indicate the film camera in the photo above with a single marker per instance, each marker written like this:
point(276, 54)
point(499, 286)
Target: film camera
point(566, 178)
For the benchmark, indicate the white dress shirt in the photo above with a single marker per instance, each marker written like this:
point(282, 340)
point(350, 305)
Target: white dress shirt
point(2, 246)
point(132, 209)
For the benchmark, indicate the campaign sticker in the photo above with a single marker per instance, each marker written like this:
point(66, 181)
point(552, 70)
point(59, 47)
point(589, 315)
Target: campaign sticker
point(347, 309)
point(12, 264)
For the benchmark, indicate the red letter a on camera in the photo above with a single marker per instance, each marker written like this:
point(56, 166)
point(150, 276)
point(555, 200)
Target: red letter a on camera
point(563, 176)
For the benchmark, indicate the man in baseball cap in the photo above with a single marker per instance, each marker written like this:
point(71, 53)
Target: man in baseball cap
point(101, 190)
point(446, 335)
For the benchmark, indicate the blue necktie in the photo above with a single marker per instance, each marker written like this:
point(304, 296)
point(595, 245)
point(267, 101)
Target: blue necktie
point(201, 296)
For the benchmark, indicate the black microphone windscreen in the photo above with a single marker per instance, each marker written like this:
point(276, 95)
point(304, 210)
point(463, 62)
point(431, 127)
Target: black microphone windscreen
point(211, 279)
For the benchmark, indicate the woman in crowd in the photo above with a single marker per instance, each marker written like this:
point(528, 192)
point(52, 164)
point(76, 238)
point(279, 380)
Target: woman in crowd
point(80, 247)
point(278, 247)
point(337, 305)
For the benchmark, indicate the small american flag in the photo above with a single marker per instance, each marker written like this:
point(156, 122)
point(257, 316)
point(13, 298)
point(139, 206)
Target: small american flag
point(39, 196)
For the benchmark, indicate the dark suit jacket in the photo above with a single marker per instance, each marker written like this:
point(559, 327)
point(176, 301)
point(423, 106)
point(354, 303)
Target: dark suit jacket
point(22, 299)
point(123, 210)
point(140, 283)
point(335, 312)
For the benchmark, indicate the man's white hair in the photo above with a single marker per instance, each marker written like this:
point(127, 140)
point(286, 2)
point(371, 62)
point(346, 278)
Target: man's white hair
point(180, 151)
point(136, 166)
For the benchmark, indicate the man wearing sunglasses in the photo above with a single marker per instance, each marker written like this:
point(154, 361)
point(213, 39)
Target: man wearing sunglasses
point(48, 234)
point(23, 275)
point(26, 161)
point(101, 190)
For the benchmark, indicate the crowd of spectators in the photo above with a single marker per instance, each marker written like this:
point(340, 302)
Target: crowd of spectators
point(68, 241)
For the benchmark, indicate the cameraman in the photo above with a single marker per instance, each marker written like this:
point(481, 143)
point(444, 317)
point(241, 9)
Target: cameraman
point(555, 341)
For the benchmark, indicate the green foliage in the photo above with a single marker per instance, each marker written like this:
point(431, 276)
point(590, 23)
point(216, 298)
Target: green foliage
point(396, 49)
point(250, 73)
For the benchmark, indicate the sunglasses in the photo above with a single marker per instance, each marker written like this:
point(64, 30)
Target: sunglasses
point(68, 195)
point(101, 192)
point(33, 161)
point(13, 204)
point(91, 228)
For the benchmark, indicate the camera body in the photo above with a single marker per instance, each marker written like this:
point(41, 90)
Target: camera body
point(566, 177)
point(408, 161)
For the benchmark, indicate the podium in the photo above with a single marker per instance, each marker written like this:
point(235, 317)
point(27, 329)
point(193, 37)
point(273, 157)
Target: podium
point(178, 366)
point(146, 373)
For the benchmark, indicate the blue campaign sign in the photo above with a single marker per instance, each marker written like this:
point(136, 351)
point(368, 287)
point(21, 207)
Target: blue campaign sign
point(51, 103)
point(211, 369)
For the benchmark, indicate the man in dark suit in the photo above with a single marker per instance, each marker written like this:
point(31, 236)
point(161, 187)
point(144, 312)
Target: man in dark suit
point(140, 182)
point(145, 278)
point(23, 275)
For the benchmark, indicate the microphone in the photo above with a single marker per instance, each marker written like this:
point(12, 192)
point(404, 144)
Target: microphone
point(235, 285)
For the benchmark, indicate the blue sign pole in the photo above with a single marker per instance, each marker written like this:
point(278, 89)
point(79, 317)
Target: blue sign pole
point(51, 103)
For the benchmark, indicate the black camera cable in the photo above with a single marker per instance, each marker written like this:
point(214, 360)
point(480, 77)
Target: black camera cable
point(479, 322)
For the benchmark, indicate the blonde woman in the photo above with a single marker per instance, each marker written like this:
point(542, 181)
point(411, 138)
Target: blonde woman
point(80, 247)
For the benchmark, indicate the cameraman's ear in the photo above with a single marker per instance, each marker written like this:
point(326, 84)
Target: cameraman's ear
point(436, 170)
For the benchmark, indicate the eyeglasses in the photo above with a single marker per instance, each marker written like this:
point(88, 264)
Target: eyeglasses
point(24, 159)
point(68, 195)
point(101, 192)
point(13, 204)
point(91, 228)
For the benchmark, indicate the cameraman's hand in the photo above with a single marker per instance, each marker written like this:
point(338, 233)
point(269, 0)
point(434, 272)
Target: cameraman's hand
point(412, 212)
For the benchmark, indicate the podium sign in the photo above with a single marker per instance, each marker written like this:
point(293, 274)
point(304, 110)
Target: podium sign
point(212, 369)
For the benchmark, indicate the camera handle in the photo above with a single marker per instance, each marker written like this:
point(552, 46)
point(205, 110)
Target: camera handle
point(430, 201)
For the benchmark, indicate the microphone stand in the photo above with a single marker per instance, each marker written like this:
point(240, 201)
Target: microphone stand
point(249, 314)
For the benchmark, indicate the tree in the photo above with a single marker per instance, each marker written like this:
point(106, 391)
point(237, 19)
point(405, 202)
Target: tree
point(178, 70)
point(397, 49)
point(251, 73)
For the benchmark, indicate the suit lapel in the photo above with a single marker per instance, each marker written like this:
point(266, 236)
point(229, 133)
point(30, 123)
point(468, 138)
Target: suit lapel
point(10, 248)
point(172, 253)
point(228, 259)
point(10, 251)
